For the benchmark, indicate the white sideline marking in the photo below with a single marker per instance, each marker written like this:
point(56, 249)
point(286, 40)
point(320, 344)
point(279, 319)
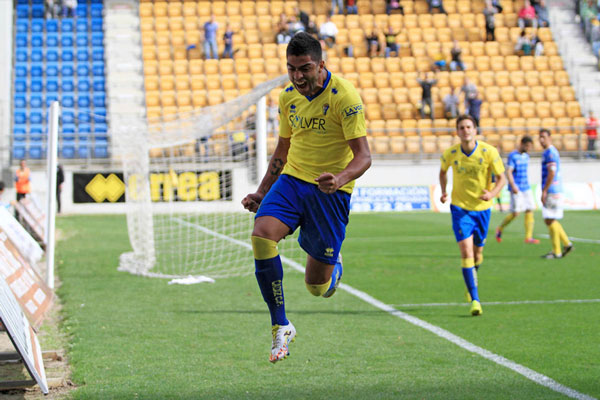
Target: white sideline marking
point(574, 239)
point(498, 303)
point(444, 334)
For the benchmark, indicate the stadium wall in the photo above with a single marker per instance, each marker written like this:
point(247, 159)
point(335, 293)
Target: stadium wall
point(104, 192)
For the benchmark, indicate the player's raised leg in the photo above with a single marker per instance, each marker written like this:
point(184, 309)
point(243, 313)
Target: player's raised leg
point(469, 273)
point(322, 279)
point(507, 220)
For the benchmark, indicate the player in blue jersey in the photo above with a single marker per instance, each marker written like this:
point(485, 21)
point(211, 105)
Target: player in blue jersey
point(322, 149)
point(552, 199)
point(521, 196)
point(473, 162)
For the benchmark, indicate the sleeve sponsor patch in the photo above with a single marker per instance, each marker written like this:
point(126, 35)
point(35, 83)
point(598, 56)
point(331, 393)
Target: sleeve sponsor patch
point(353, 110)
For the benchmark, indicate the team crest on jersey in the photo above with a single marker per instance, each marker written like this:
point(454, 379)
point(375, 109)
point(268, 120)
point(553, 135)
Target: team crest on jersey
point(292, 109)
point(325, 108)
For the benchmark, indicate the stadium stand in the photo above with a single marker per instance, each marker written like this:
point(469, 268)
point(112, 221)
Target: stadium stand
point(59, 59)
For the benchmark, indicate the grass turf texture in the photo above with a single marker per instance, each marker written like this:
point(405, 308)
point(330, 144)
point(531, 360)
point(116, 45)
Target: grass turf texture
point(133, 337)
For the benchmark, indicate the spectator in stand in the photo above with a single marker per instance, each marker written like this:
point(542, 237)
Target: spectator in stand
point(426, 82)
point(451, 102)
point(295, 26)
point(210, 39)
point(497, 5)
point(456, 64)
point(52, 8)
point(339, 4)
point(470, 91)
point(228, 40)
point(351, 7)
point(312, 28)
point(490, 21)
point(591, 129)
point(437, 4)
point(302, 17)
point(391, 44)
point(373, 45)
point(283, 36)
point(527, 16)
point(537, 45)
point(523, 46)
point(328, 31)
point(475, 110)
point(22, 180)
point(69, 7)
point(393, 6)
point(541, 11)
point(439, 62)
point(283, 23)
point(595, 37)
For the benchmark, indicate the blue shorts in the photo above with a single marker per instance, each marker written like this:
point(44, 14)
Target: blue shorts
point(466, 223)
point(322, 217)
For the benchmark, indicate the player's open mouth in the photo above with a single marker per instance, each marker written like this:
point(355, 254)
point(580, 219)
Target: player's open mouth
point(301, 85)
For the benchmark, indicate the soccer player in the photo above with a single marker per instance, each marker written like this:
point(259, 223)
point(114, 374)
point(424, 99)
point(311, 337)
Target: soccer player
point(322, 149)
point(552, 209)
point(473, 162)
point(521, 197)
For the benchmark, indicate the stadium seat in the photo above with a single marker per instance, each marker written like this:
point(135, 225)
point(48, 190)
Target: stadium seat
point(36, 117)
point(66, 25)
point(97, 39)
point(52, 55)
point(21, 71)
point(67, 100)
point(98, 69)
point(19, 151)
point(51, 26)
point(83, 100)
point(37, 55)
point(51, 96)
point(96, 25)
point(36, 151)
point(83, 113)
point(66, 40)
point(66, 55)
point(83, 70)
point(81, 11)
point(37, 40)
point(20, 101)
point(37, 25)
point(99, 84)
point(36, 101)
point(67, 85)
point(51, 85)
point(67, 149)
point(98, 54)
point(37, 86)
point(82, 55)
point(81, 40)
point(81, 25)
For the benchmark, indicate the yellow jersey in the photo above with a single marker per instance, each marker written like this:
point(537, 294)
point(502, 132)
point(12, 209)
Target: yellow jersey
point(319, 128)
point(472, 173)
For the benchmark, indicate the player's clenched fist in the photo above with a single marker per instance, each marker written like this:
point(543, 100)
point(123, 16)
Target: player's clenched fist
point(252, 201)
point(327, 183)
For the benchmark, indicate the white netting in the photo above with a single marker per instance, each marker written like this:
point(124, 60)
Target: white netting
point(185, 180)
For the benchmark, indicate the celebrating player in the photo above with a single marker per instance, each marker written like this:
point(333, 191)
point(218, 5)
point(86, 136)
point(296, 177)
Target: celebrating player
point(521, 197)
point(322, 149)
point(472, 163)
point(552, 209)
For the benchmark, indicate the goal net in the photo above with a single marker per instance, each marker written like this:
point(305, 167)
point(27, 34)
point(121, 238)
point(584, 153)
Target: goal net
point(186, 178)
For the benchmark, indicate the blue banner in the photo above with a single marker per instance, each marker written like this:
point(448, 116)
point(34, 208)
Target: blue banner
point(397, 198)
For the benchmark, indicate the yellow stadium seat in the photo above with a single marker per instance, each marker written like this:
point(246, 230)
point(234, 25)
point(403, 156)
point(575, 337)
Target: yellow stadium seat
point(408, 64)
point(363, 64)
point(381, 144)
point(211, 67)
point(199, 98)
point(377, 128)
point(521, 93)
point(517, 78)
point(547, 78)
point(369, 96)
point(219, 8)
point(183, 98)
point(550, 49)
point(182, 83)
point(507, 94)
point(492, 94)
point(242, 66)
point(556, 63)
point(497, 110)
point(537, 93)
point(513, 109)
point(409, 127)
point(486, 124)
point(552, 93)
point(203, 9)
point(413, 145)
point(502, 126)
point(502, 78)
point(229, 81)
point(393, 127)
point(533, 125)
point(215, 97)
point(385, 95)
point(463, 6)
point(397, 144)
point(532, 78)
point(244, 81)
point(429, 144)
point(567, 93)
point(573, 109)
point(558, 109)
point(542, 110)
point(541, 63)
point(258, 78)
point(392, 64)
point(167, 98)
point(561, 78)
point(526, 63)
point(367, 80)
point(152, 98)
point(401, 95)
point(373, 111)
point(518, 127)
point(482, 63)
point(528, 109)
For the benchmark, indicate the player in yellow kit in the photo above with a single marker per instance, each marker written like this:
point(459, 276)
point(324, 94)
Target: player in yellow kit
point(473, 162)
point(322, 149)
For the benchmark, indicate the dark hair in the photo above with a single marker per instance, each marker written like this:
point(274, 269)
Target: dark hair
point(545, 130)
point(526, 139)
point(466, 116)
point(303, 44)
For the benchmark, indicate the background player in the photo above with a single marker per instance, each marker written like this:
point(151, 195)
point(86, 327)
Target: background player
point(552, 199)
point(521, 197)
point(322, 149)
point(472, 163)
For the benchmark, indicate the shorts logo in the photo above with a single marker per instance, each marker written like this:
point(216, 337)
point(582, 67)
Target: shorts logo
point(325, 108)
point(353, 110)
point(329, 252)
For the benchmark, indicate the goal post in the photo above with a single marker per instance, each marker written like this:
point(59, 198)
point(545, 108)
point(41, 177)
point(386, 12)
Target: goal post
point(185, 180)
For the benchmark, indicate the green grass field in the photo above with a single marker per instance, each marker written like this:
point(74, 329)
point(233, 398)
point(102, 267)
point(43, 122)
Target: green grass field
point(134, 337)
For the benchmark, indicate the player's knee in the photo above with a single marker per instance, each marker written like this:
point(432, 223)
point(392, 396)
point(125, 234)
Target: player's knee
point(478, 259)
point(318, 289)
point(263, 248)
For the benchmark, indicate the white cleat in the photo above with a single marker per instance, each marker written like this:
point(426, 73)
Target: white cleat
point(282, 336)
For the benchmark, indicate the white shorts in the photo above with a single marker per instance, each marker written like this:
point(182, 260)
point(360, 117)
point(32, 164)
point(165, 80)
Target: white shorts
point(522, 201)
point(554, 206)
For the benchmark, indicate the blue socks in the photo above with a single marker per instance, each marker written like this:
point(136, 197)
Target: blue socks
point(469, 277)
point(269, 274)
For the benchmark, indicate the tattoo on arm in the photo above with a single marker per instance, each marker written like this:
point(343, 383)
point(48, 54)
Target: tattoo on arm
point(276, 165)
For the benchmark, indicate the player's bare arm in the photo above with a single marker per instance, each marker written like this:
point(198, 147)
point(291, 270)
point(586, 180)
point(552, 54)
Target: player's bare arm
point(278, 160)
point(329, 183)
point(443, 183)
point(490, 194)
point(511, 181)
point(549, 180)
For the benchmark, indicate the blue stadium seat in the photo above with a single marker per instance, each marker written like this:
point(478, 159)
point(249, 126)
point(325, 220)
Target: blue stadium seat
point(22, 11)
point(37, 11)
point(36, 117)
point(83, 150)
point(19, 151)
point(23, 2)
point(51, 85)
point(21, 40)
point(83, 100)
point(99, 99)
point(67, 70)
point(37, 1)
point(84, 130)
point(51, 55)
point(52, 25)
point(96, 24)
point(100, 130)
point(82, 55)
point(20, 71)
point(51, 68)
point(97, 1)
point(37, 129)
point(36, 151)
point(66, 25)
point(68, 131)
point(36, 71)
point(98, 54)
point(67, 100)
point(37, 40)
point(20, 101)
point(21, 55)
point(67, 148)
point(98, 69)
point(67, 40)
point(20, 116)
point(100, 150)
point(37, 55)
point(96, 10)
point(50, 96)
point(81, 11)
point(97, 39)
point(81, 25)
point(82, 40)
point(84, 115)
point(68, 117)
point(20, 86)
point(66, 55)
point(83, 85)
point(36, 101)
point(99, 84)
point(20, 133)
point(67, 85)
point(52, 40)
point(83, 70)
point(37, 25)
point(22, 26)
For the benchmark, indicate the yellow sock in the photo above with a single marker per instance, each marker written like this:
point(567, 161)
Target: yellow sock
point(479, 260)
point(555, 237)
point(318, 290)
point(507, 221)
point(528, 225)
point(562, 234)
